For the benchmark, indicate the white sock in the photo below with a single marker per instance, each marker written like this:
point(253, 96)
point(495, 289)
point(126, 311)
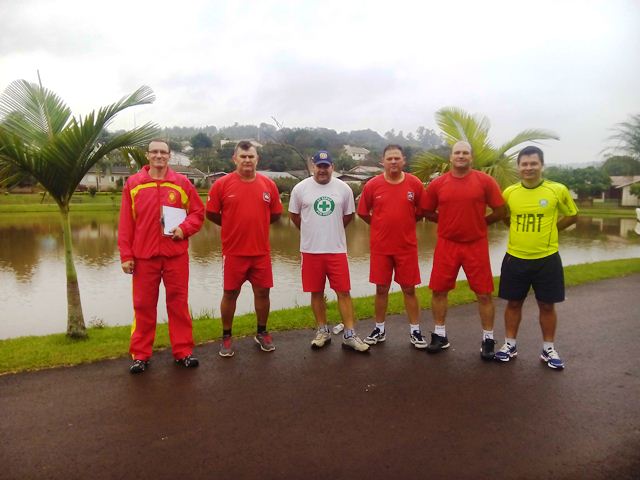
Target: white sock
point(324, 328)
point(380, 326)
point(440, 330)
point(413, 328)
point(348, 332)
point(487, 334)
point(547, 346)
point(510, 341)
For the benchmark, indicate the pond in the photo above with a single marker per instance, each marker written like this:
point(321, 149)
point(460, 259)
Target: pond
point(32, 276)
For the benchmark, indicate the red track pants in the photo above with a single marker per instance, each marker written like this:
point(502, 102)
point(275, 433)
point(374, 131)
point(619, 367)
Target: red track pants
point(174, 273)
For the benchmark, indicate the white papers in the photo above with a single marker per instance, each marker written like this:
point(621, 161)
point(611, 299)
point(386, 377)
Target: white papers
point(172, 217)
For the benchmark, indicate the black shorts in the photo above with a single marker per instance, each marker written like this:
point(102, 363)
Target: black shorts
point(545, 275)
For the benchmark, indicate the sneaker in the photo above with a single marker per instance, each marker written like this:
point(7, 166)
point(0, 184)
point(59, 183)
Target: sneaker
point(506, 353)
point(487, 349)
point(322, 338)
point(552, 358)
point(438, 343)
point(188, 362)
point(355, 343)
point(265, 341)
point(418, 340)
point(138, 366)
point(226, 347)
point(375, 337)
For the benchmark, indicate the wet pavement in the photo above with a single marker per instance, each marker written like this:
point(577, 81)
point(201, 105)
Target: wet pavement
point(393, 413)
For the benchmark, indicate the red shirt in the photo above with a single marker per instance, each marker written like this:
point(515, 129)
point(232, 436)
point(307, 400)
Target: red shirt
point(140, 228)
point(461, 203)
point(393, 209)
point(246, 209)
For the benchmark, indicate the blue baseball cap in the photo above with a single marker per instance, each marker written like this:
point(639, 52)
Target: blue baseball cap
point(322, 157)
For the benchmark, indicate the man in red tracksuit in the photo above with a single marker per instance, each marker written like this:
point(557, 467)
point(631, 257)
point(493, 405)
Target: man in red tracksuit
point(151, 252)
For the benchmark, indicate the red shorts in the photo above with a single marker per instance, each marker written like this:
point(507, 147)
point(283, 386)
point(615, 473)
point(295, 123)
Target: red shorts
point(405, 265)
point(238, 269)
point(317, 267)
point(473, 257)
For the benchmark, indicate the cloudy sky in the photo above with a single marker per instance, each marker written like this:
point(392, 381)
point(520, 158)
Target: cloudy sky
point(569, 66)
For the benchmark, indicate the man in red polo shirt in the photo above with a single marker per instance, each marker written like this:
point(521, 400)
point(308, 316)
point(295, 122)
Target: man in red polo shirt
point(152, 250)
point(458, 201)
point(390, 204)
point(244, 203)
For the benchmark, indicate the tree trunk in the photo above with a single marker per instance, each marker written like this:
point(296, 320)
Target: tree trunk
point(75, 319)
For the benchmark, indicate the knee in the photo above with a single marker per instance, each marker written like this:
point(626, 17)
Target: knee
point(382, 289)
point(409, 291)
point(261, 293)
point(343, 295)
point(230, 295)
point(484, 299)
point(546, 307)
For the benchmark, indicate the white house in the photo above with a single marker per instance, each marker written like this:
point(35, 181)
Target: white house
point(356, 153)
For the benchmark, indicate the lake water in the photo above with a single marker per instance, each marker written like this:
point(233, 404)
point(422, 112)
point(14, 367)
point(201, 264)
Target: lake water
point(32, 274)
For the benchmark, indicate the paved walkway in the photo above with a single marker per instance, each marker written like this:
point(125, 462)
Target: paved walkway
point(396, 413)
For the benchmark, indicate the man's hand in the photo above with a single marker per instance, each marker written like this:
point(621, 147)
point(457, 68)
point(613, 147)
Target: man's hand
point(177, 234)
point(127, 267)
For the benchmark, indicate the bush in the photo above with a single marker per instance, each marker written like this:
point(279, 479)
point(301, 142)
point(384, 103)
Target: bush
point(92, 190)
point(286, 184)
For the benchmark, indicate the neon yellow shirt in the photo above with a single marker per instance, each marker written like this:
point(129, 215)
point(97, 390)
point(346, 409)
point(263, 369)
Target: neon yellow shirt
point(533, 232)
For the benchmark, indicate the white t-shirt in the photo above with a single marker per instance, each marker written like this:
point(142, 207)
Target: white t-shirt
point(321, 208)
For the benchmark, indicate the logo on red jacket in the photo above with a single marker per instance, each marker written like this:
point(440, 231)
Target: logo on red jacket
point(266, 197)
point(410, 196)
point(171, 197)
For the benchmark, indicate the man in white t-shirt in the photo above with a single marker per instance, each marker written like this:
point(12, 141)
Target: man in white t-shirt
point(321, 207)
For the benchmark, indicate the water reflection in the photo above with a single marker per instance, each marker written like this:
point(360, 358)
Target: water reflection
point(32, 297)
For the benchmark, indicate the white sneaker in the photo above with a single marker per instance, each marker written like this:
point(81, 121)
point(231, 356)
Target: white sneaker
point(418, 340)
point(355, 343)
point(321, 339)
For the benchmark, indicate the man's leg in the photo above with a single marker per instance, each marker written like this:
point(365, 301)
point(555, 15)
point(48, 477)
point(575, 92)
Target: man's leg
point(486, 310)
point(175, 276)
point(146, 282)
point(263, 305)
point(548, 321)
point(439, 305)
point(512, 318)
point(345, 305)
point(411, 304)
point(228, 308)
point(319, 308)
point(381, 302)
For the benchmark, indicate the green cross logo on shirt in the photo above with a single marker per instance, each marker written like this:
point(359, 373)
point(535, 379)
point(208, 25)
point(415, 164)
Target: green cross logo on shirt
point(324, 206)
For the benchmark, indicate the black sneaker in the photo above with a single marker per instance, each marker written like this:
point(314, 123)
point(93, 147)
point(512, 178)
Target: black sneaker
point(438, 343)
point(487, 349)
point(138, 366)
point(188, 362)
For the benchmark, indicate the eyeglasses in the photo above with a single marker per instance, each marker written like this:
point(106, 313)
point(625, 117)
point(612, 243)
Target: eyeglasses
point(158, 152)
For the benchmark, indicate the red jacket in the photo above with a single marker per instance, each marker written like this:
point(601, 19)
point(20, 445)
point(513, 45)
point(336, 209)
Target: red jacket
point(140, 228)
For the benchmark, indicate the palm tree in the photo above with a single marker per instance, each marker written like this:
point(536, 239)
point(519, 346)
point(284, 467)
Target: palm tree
point(40, 137)
point(499, 162)
point(627, 137)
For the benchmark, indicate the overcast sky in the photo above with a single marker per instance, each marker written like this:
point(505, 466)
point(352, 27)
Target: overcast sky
point(569, 66)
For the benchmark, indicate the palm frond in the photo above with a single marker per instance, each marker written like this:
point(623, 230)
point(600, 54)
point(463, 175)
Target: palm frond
point(529, 135)
point(31, 111)
point(425, 165)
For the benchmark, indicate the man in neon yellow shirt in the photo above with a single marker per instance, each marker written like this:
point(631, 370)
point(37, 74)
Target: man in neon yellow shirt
point(538, 209)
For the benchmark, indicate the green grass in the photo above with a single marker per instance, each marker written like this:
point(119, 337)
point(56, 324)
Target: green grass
point(34, 353)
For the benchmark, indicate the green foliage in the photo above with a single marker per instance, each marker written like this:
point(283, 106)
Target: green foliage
point(92, 190)
point(621, 165)
point(635, 189)
point(279, 158)
point(626, 138)
point(499, 162)
point(201, 141)
point(285, 185)
point(40, 138)
point(585, 182)
point(344, 163)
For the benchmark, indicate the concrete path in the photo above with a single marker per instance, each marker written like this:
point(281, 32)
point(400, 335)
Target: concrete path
point(396, 413)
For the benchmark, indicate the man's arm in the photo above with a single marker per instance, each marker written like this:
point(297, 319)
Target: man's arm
point(496, 215)
point(346, 219)
point(567, 221)
point(215, 217)
point(274, 217)
point(295, 218)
